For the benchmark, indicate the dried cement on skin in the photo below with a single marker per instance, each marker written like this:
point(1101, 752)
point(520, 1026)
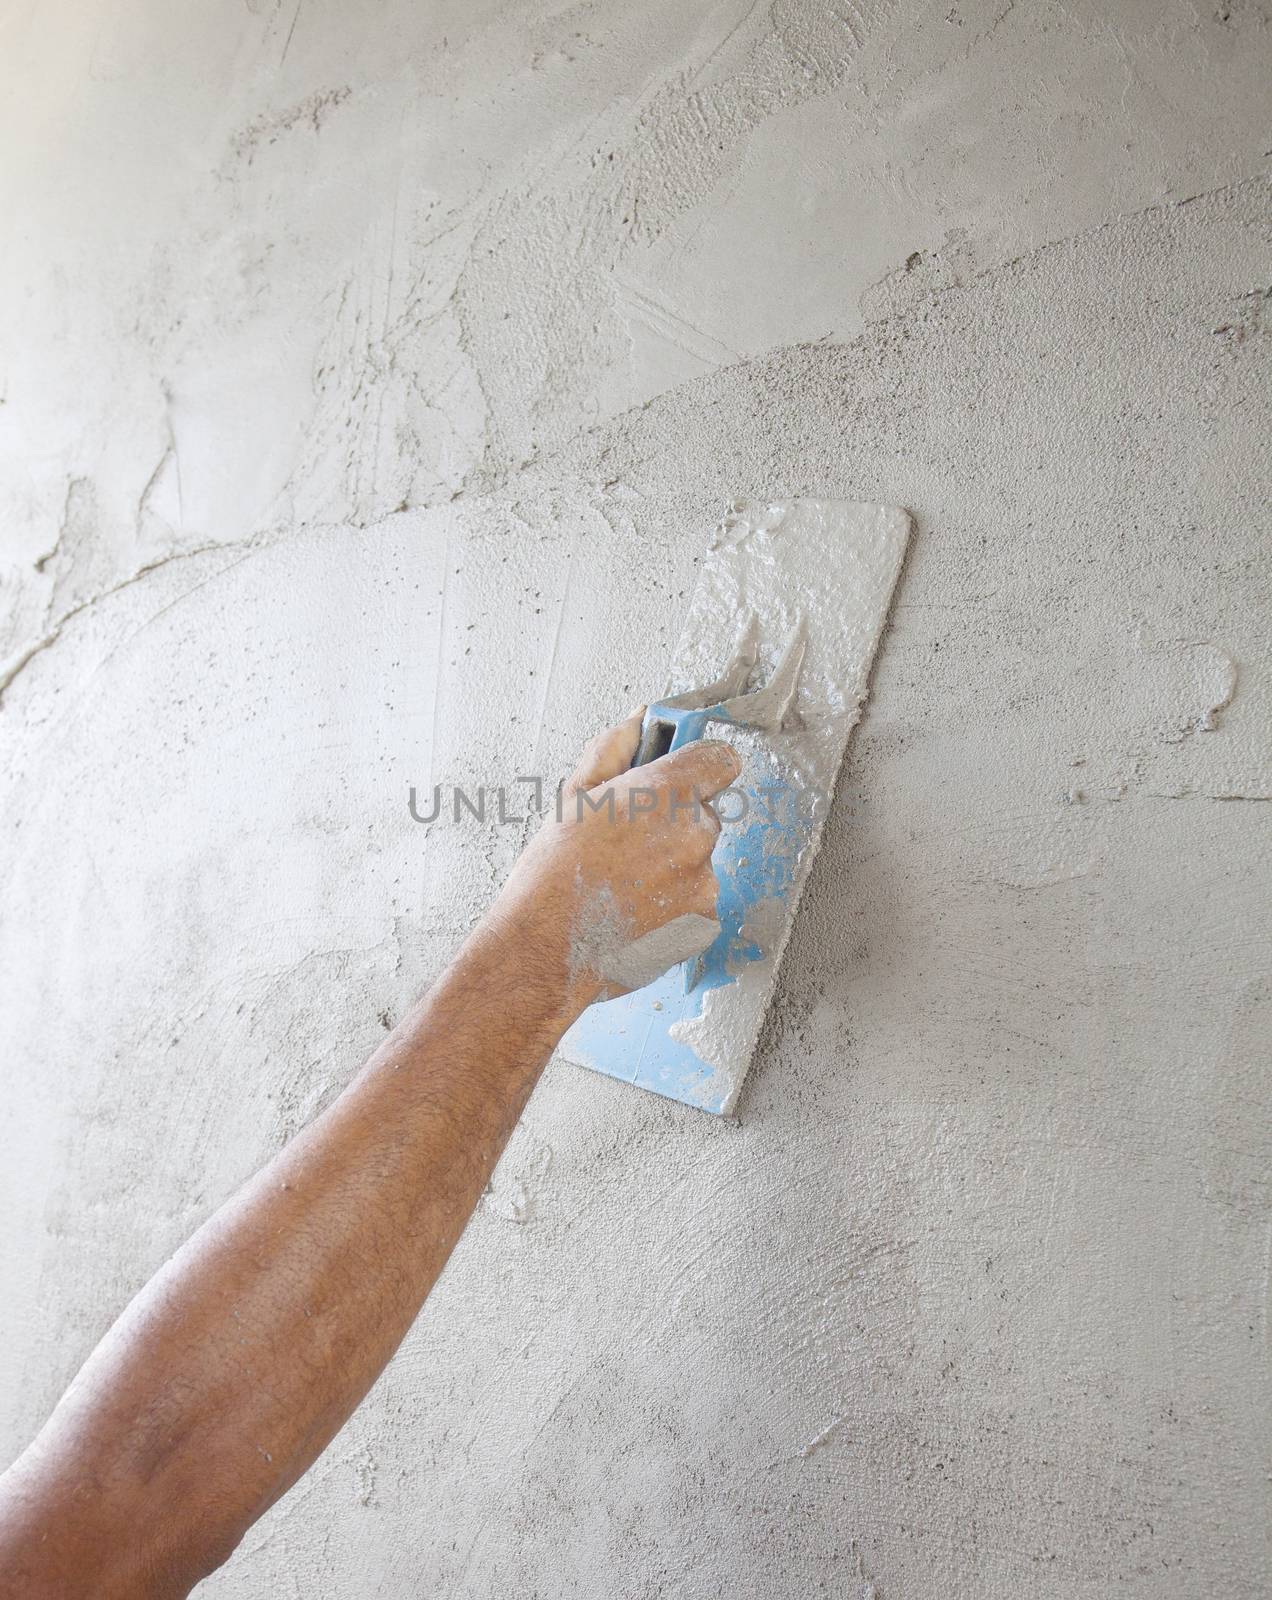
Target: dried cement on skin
point(647, 958)
point(602, 943)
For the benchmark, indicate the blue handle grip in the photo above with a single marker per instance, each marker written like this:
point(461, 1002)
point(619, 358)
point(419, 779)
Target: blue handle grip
point(666, 728)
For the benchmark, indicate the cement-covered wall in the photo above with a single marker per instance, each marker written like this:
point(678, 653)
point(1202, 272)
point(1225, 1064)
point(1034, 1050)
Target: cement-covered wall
point(372, 376)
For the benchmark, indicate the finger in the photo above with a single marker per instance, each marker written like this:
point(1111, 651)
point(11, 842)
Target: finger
point(698, 843)
point(705, 896)
point(703, 816)
point(703, 769)
point(606, 755)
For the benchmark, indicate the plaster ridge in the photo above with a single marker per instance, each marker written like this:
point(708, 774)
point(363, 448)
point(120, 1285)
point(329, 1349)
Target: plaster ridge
point(72, 480)
point(482, 481)
point(23, 657)
point(1262, 177)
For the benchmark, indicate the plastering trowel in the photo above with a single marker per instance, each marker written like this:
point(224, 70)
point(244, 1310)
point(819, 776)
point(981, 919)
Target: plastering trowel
point(807, 583)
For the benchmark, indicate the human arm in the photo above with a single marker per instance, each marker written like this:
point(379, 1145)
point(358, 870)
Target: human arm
point(236, 1364)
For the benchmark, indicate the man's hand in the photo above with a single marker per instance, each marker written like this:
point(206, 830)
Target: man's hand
point(242, 1357)
point(626, 852)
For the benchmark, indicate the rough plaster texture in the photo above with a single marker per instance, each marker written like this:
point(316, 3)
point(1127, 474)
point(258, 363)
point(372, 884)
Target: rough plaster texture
point(371, 378)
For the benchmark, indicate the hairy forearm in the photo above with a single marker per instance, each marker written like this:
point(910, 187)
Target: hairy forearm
point(233, 1368)
point(237, 1363)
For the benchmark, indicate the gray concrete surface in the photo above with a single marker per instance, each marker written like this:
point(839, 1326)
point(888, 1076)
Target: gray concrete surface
point(372, 377)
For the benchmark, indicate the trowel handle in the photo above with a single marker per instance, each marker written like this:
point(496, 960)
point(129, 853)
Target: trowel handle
point(664, 728)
